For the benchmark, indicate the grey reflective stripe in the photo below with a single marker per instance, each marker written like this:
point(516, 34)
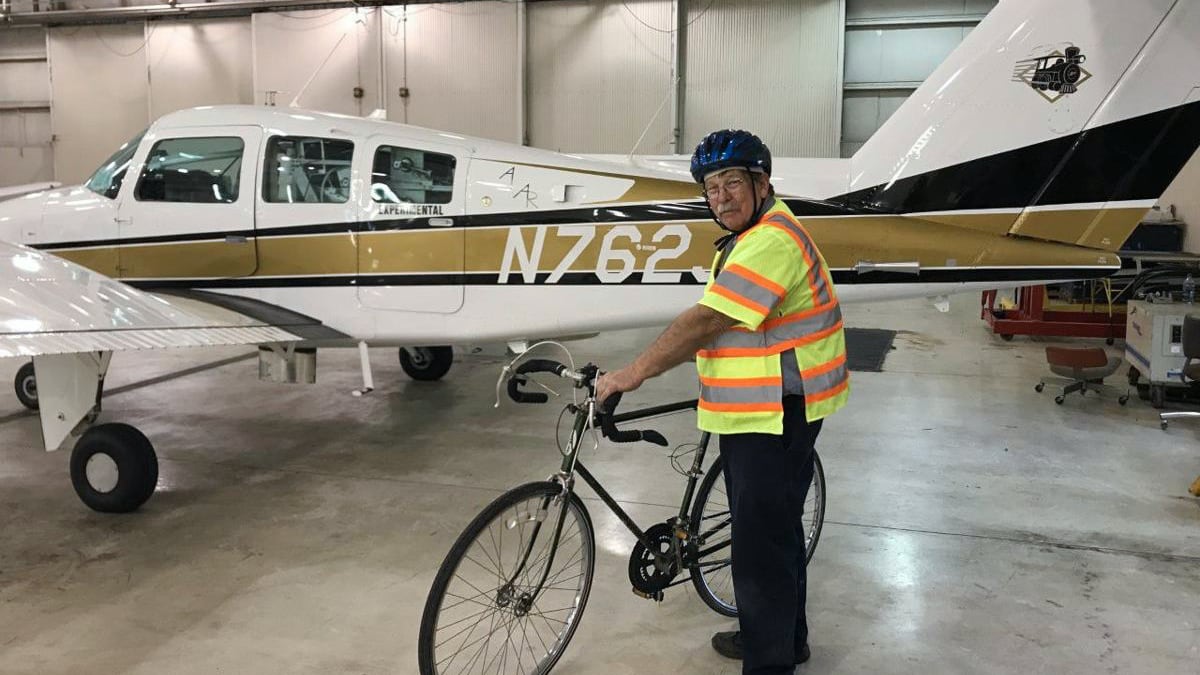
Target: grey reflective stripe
point(742, 339)
point(716, 394)
point(734, 282)
point(793, 384)
point(823, 295)
point(777, 335)
point(826, 381)
point(794, 330)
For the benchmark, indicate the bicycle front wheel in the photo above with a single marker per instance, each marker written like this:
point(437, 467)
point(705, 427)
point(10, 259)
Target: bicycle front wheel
point(508, 598)
point(711, 527)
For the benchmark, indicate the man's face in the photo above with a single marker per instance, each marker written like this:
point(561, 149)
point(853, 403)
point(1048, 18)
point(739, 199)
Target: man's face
point(731, 193)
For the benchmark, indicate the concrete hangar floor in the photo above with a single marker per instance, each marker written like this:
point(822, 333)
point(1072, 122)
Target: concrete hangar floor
point(972, 525)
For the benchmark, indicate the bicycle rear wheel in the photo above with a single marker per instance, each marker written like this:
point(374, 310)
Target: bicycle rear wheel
point(710, 526)
point(476, 621)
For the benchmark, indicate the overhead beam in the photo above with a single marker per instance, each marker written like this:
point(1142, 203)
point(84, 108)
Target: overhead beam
point(180, 10)
point(916, 21)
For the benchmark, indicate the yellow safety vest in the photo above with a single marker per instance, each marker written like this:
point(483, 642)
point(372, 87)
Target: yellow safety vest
point(777, 285)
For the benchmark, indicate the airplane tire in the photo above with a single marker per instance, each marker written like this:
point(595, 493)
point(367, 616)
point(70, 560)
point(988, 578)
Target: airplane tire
point(113, 468)
point(426, 363)
point(26, 386)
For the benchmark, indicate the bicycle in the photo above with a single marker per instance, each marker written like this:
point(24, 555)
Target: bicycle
point(532, 609)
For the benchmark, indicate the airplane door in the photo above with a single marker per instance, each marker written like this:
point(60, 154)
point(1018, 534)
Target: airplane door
point(189, 212)
point(411, 251)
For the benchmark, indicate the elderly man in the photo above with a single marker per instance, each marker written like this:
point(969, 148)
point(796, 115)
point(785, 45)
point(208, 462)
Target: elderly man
point(770, 351)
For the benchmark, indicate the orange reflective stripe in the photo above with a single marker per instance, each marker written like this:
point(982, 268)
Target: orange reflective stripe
point(742, 407)
point(819, 335)
point(740, 381)
point(819, 396)
point(757, 278)
point(824, 367)
point(744, 302)
point(727, 352)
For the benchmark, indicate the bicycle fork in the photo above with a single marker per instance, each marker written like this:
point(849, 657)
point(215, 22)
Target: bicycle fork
point(565, 478)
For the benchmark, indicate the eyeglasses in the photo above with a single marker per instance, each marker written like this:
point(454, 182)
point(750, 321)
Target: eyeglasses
point(730, 186)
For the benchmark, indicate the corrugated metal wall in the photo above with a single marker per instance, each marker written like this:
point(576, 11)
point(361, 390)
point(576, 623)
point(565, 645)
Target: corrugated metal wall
point(598, 75)
point(340, 46)
point(98, 92)
point(770, 66)
point(598, 71)
point(199, 62)
point(25, 152)
point(460, 65)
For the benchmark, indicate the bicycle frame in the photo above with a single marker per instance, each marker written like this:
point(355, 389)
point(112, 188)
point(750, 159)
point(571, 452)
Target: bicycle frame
point(572, 466)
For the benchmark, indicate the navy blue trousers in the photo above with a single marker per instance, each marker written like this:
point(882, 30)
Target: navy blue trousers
point(767, 479)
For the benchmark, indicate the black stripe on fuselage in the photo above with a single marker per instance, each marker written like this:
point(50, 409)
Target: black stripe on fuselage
point(1131, 159)
point(841, 277)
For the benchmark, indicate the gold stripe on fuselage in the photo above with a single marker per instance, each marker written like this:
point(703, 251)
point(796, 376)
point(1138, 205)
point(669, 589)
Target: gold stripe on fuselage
point(942, 240)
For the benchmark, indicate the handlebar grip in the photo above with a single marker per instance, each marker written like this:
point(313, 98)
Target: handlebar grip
point(515, 393)
point(652, 436)
point(541, 366)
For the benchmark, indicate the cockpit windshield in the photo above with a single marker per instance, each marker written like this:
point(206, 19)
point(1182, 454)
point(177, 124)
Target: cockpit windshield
point(107, 179)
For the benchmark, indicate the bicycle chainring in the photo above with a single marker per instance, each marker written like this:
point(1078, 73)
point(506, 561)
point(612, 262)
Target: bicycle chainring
point(649, 576)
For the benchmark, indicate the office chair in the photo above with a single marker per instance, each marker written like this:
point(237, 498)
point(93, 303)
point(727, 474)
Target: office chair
point(1082, 370)
point(1191, 371)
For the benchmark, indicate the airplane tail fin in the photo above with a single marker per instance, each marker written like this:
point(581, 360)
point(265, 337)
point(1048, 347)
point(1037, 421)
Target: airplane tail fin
point(1062, 120)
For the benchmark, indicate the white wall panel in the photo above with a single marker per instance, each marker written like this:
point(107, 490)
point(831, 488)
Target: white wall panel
point(98, 93)
point(894, 58)
point(460, 64)
point(199, 63)
point(769, 66)
point(19, 166)
point(24, 81)
point(598, 71)
point(899, 54)
point(291, 46)
point(25, 154)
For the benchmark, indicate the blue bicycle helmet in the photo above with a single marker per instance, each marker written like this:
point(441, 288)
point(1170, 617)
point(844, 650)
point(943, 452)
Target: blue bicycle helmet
point(730, 148)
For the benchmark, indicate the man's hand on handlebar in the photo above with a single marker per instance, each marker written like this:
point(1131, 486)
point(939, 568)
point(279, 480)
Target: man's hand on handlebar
point(617, 382)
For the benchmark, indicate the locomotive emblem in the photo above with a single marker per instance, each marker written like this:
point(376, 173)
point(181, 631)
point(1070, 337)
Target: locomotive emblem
point(1054, 75)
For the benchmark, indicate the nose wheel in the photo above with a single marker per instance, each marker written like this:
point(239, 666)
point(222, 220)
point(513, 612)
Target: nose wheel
point(114, 468)
point(426, 363)
point(25, 385)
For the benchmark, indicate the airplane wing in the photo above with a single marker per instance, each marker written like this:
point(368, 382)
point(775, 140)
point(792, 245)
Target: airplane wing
point(51, 306)
point(19, 190)
point(70, 319)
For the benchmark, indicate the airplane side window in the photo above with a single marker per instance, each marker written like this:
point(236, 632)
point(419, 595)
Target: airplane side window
point(192, 170)
point(106, 181)
point(404, 175)
point(304, 170)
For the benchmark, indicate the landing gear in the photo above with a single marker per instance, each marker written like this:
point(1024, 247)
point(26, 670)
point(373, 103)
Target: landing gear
point(26, 386)
point(113, 468)
point(426, 363)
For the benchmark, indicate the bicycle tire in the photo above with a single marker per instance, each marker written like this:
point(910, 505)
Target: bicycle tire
point(503, 617)
point(705, 581)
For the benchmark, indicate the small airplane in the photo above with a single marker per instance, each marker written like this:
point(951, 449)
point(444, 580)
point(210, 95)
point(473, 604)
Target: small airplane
point(293, 229)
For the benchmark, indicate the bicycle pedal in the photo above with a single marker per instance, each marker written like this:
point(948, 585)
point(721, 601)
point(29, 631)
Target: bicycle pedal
point(656, 596)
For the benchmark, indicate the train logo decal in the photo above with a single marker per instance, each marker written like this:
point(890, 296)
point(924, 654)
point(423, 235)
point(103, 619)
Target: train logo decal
point(1054, 75)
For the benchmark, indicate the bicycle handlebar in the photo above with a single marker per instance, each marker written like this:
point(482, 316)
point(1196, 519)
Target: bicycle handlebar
point(607, 409)
point(584, 377)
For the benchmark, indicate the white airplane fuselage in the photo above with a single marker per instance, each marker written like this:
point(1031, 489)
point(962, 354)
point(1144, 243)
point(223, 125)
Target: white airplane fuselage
point(1004, 168)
